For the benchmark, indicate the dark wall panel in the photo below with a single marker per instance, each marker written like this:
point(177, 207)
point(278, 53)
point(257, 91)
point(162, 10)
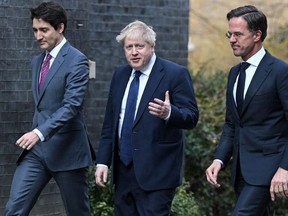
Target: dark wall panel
point(92, 28)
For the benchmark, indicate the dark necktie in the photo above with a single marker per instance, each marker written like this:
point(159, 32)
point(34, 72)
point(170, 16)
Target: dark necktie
point(241, 85)
point(126, 132)
point(44, 71)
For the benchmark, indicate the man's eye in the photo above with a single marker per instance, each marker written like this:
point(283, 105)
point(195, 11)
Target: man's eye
point(235, 34)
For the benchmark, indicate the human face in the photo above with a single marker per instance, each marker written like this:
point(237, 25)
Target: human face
point(244, 43)
point(46, 35)
point(138, 52)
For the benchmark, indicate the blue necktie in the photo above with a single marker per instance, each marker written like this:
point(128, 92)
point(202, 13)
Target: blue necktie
point(126, 132)
point(240, 86)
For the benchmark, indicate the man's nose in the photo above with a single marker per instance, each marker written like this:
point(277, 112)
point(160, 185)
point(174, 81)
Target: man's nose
point(134, 50)
point(38, 35)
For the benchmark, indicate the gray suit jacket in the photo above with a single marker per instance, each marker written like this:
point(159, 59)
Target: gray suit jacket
point(58, 110)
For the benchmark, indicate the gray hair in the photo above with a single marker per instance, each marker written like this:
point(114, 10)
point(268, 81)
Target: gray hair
point(137, 30)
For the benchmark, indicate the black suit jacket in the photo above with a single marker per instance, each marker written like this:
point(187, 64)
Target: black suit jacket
point(259, 136)
point(157, 144)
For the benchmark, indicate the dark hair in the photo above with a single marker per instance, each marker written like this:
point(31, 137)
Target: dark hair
point(256, 20)
point(50, 12)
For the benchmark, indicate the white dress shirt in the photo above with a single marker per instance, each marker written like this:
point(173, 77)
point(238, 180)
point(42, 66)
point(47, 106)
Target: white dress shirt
point(254, 61)
point(143, 79)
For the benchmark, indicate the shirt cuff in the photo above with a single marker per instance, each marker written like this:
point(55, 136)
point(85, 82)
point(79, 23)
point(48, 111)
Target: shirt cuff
point(220, 161)
point(167, 118)
point(101, 165)
point(39, 134)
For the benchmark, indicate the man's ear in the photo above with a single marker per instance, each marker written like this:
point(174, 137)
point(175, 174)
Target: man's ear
point(257, 36)
point(61, 28)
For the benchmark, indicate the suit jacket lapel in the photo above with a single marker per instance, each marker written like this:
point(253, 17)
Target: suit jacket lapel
point(36, 74)
point(152, 83)
point(55, 66)
point(120, 85)
point(260, 75)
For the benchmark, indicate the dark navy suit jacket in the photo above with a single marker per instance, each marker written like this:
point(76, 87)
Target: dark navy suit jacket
point(157, 144)
point(259, 136)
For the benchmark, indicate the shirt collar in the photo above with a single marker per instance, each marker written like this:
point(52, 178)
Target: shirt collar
point(257, 57)
point(54, 52)
point(148, 68)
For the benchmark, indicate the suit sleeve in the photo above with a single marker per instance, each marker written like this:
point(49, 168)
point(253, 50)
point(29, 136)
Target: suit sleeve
point(184, 110)
point(104, 155)
point(225, 146)
point(282, 84)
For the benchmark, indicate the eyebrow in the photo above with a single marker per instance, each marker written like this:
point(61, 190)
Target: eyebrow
point(41, 28)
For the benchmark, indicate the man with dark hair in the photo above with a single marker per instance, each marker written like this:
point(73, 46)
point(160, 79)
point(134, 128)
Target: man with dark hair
point(255, 132)
point(58, 146)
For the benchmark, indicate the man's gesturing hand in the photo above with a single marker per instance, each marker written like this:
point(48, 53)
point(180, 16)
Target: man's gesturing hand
point(160, 108)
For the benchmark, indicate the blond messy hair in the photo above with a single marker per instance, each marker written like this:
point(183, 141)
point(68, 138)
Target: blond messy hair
point(137, 30)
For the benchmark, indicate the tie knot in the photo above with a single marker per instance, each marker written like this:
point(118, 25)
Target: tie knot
point(137, 74)
point(48, 57)
point(244, 65)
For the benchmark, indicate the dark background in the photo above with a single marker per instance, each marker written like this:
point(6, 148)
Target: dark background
point(101, 21)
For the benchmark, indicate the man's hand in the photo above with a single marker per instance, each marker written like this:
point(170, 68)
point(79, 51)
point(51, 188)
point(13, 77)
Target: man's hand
point(160, 108)
point(212, 173)
point(279, 184)
point(101, 176)
point(28, 140)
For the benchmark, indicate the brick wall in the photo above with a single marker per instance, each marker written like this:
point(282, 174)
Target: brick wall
point(92, 27)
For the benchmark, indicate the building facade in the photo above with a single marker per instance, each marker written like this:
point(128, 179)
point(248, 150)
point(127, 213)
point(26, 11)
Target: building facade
point(92, 28)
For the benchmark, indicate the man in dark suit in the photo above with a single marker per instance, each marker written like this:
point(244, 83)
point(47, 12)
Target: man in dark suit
point(58, 146)
point(147, 172)
point(256, 135)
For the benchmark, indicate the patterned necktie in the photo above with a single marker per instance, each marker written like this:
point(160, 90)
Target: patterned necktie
point(44, 71)
point(126, 132)
point(240, 86)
